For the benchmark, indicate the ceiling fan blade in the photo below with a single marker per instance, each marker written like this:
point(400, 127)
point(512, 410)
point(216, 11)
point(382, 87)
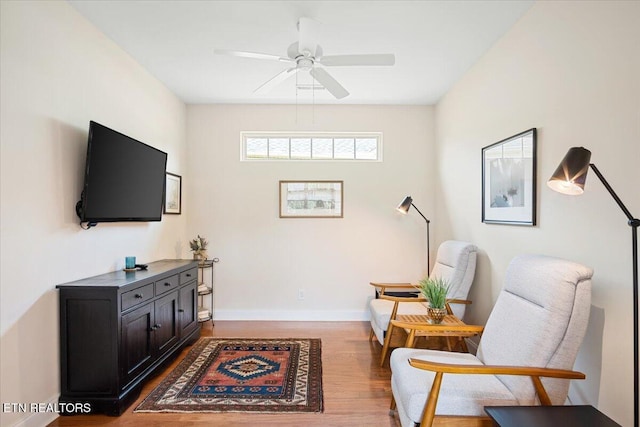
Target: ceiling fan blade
point(275, 81)
point(252, 55)
point(308, 32)
point(329, 82)
point(346, 60)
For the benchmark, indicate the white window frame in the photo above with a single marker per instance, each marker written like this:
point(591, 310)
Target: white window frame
point(244, 135)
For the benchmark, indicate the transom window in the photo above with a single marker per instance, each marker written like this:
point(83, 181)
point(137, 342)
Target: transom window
point(311, 146)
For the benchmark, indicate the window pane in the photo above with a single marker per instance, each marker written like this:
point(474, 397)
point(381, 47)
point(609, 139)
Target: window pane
point(305, 146)
point(300, 148)
point(322, 148)
point(366, 148)
point(256, 148)
point(344, 148)
point(278, 148)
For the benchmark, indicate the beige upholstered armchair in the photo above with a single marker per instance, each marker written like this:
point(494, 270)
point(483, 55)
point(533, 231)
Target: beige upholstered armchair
point(526, 353)
point(455, 262)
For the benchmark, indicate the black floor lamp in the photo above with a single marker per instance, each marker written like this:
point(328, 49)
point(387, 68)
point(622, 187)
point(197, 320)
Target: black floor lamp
point(569, 178)
point(404, 207)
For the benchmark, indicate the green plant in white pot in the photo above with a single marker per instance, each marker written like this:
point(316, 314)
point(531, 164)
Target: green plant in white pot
point(435, 291)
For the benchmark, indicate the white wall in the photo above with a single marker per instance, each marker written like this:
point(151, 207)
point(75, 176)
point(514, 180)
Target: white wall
point(57, 73)
point(264, 260)
point(572, 70)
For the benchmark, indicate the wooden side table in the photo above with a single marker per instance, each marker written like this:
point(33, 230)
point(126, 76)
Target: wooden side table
point(449, 328)
point(443, 330)
point(536, 416)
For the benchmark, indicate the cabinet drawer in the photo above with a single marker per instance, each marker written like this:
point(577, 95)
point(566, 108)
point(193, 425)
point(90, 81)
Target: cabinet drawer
point(188, 275)
point(137, 296)
point(167, 284)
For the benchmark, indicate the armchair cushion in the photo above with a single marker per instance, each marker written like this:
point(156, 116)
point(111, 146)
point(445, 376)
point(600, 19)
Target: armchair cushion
point(456, 262)
point(539, 319)
point(381, 314)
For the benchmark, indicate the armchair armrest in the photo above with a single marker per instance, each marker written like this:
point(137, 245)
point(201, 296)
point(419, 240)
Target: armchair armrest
point(403, 299)
point(391, 285)
point(399, 290)
point(382, 287)
point(455, 301)
point(459, 301)
point(451, 368)
point(440, 368)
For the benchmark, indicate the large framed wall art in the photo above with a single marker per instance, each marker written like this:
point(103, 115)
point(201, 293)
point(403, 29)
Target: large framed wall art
point(509, 180)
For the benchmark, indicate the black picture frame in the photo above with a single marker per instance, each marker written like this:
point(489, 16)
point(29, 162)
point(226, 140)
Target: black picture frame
point(173, 194)
point(509, 180)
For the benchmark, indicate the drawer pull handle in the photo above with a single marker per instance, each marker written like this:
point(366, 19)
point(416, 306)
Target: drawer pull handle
point(138, 296)
point(167, 284)
point(188, 274)
point(180, 310)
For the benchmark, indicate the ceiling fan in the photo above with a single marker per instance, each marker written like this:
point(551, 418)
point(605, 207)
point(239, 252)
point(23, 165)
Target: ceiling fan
point(306, 54)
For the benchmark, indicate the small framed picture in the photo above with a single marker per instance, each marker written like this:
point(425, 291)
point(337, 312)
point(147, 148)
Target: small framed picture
point(509, 180)
point(173, 194)
point(311, 199)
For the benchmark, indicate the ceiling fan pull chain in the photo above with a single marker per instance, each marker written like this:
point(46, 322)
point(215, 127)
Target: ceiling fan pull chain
point(313, 102)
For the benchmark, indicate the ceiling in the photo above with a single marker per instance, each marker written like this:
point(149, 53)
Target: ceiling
point(434, 42)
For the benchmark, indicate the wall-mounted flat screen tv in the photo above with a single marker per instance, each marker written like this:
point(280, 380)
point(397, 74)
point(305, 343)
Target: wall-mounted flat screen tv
point(124, 178)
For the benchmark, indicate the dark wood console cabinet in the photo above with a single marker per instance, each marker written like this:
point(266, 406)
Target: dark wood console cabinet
point(116, 329)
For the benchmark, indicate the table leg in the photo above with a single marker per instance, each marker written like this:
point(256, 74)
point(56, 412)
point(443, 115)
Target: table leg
point(411, 339)
point(387, 343)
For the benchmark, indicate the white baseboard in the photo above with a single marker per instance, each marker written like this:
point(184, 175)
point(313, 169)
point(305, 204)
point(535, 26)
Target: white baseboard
point(39, 419)
point(292, 315)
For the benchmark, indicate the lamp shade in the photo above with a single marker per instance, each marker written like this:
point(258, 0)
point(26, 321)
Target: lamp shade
point(405, 205)
point(571, 174)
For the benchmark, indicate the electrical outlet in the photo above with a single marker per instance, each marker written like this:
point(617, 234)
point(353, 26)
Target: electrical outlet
point(300, 294)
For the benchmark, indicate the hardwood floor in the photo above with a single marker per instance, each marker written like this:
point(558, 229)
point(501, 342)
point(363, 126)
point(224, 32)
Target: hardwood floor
point(357, 392)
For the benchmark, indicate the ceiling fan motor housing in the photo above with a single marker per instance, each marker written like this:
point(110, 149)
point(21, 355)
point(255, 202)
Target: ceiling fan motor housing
point(294, 53)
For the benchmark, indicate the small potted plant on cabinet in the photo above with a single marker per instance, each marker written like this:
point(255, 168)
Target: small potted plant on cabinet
point(435, 291)
point(199, 248)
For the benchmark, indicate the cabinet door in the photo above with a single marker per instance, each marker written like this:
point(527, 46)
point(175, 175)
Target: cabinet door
point(165, 327)
point(188, 309)
point(137, 344)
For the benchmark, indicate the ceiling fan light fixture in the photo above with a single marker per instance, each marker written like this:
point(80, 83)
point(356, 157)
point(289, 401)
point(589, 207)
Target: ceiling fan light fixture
point(305, 63)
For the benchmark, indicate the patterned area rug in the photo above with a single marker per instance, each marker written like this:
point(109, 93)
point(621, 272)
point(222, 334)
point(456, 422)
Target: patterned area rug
point(243, 375)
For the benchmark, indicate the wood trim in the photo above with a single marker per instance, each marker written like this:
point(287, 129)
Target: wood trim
point(402, 299)
point(496, 370)
point(392, 285)
point(432, 401)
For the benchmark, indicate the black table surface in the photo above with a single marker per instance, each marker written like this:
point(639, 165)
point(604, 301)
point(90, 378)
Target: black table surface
point(539, 416)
